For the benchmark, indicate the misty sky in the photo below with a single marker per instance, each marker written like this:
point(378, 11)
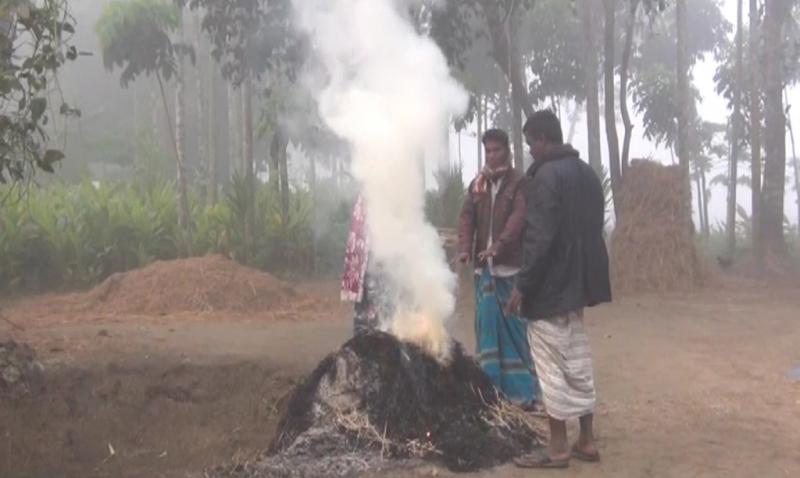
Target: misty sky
point(713, 108)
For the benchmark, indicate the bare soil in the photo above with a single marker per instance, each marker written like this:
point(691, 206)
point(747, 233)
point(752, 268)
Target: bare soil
point(693, 385)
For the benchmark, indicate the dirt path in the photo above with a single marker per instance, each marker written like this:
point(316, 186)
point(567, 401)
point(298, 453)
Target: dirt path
point(693, 386)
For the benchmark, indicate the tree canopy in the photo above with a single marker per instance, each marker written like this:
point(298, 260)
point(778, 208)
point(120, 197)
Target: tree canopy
point(34, 44)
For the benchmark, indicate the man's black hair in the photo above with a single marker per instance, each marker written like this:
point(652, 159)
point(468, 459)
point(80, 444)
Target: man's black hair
point(496, 136)
point(544, 123)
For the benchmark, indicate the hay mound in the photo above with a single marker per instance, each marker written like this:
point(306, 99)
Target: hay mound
point(379, 401)
point(20, 373)
point(652, 247)
point(201, 284)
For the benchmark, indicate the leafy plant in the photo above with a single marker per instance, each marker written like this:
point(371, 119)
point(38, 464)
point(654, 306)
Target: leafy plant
point(33, 46)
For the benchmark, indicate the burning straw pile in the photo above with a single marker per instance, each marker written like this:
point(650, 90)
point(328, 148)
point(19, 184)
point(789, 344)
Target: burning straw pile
point(652, 248)
point(379, 402)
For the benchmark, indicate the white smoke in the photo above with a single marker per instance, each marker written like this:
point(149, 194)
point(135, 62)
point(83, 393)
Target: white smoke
point(390, 94)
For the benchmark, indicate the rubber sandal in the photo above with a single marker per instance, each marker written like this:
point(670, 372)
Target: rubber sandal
point(578, 454)
point(540, 460)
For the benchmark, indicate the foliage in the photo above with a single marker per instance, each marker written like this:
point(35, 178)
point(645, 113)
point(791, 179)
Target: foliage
point(76, 235)
point(653, 68)
point(724, 77)
point(553, 40)
point(134, 36)
point(34, 44)
point(251, 37)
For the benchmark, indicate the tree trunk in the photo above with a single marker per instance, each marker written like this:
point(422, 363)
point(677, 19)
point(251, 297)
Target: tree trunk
point(592, 97)
point(684, 113)
point(312, 180)
point(136, 138)
point(707, 225)
point(479, 122)
point(284, 166)
point(485, 113)
point(775, 138)
point(212, 133)
point(182, 202)
point(180, 133)
point(154, 118)
point(755, 133)
point(733, 171)
point(611, 119)
point(574, 116)
point(201, 91)
point(795, 162)
point(623, 84)
point(501, 50)
point(518, 93)
point(683, 86)
point(180, 136)
point(279, 174)
point(247, 156)
point(233, 129)
point(700, 200)
point(247, 128)
point(519, 149)
point(460, 159)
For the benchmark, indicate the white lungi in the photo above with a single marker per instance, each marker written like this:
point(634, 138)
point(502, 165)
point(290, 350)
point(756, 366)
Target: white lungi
point(560, 349)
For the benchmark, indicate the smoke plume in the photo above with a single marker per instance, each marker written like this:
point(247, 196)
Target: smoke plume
point(389, 93)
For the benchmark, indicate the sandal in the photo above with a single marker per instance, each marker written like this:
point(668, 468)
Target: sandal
point(581, 455)
point(541, 460)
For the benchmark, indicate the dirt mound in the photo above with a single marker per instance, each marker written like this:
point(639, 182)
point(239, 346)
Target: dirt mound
point(202, 284)
point(20, 372)
point(378, 399)
point(652, 247)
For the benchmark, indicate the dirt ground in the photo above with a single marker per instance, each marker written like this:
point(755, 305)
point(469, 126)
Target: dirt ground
point(689, 386)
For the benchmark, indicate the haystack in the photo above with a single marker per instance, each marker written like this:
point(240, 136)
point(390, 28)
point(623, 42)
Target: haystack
point(200, 284)
point(378, 403)
point(652, 247)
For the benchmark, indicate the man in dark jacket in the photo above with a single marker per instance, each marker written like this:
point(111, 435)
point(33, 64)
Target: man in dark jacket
point(490, 234)
point(564, 270)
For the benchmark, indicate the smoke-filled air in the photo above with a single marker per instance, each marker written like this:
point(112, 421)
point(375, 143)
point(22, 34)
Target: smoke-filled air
point(389, 93)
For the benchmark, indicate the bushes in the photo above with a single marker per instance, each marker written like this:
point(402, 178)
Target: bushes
point(78, 234)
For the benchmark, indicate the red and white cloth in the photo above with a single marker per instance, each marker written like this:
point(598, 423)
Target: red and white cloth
point(356, 256)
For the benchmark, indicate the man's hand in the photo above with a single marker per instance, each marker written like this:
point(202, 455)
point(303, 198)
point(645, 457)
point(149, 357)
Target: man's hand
point(514, 303)
point(487, 254)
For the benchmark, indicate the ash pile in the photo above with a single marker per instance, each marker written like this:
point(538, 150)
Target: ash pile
point(21, 374)
point(379, 403)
